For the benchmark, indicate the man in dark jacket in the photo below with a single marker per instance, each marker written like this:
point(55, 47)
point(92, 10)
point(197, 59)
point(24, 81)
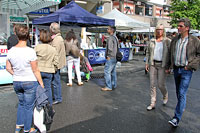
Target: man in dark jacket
point(13, 40)
point(184, 59)
point(110, 66)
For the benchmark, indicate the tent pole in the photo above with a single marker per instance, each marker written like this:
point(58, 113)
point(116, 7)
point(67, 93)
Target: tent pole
point(149, 32)
point(32, 36)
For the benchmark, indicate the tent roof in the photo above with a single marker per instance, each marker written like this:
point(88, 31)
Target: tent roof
point(123, 22)
point(20, 7)
point(74, 14)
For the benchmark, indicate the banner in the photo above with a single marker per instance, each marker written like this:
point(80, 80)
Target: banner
point(97, 56)
point(125, 53)
point(5, 77)
point(45, 10)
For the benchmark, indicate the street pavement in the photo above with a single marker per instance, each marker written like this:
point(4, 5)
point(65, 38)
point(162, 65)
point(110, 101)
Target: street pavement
point(86, 109)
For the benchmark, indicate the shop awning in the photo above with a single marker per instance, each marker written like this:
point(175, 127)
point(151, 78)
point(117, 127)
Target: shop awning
point(124, 22)
point(21, 7)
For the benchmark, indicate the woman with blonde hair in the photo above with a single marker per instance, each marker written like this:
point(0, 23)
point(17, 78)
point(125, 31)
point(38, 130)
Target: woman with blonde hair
point(22, 64)
point(156, 62)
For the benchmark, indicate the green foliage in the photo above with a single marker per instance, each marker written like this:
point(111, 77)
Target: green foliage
point(186, 8)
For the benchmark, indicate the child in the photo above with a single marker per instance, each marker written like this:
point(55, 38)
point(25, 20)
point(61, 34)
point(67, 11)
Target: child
point(85, 67)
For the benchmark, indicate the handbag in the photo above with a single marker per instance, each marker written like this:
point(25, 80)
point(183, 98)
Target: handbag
point(119, 55)
point(49, 113)
point(89, 67)
point(75, 51)
point(38, 119)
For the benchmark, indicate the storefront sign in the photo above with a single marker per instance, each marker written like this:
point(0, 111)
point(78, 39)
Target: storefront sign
point(17, 19)
point(41, 11)
point(5, 77)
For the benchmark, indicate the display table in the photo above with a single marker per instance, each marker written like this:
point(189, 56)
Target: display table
point(5, 77)
point(140, 45)
point(97, 56)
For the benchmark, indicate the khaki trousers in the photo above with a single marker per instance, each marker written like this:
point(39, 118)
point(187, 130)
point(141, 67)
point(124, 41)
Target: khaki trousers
point(157, 80)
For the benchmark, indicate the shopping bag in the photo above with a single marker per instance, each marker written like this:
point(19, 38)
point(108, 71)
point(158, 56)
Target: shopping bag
point(89, 67)
point(38, 118)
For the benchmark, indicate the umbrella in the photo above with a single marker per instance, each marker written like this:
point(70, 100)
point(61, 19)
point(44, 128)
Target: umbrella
point(21, 7)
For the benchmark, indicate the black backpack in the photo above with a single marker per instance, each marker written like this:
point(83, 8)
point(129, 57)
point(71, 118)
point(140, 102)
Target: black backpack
point(119, 55)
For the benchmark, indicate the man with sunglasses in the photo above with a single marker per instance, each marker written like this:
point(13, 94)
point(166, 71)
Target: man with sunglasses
point(184, 59)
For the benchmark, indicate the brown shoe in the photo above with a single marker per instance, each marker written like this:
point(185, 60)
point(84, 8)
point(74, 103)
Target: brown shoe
point(80, 83)
point(68, 84)
point(151, 107)
point(106, 89)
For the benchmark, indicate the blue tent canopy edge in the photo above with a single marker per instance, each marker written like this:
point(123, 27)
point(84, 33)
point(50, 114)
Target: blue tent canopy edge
point(73, 14)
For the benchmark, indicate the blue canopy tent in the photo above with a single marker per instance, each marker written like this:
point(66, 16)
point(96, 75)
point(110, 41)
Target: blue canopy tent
point(73, 14)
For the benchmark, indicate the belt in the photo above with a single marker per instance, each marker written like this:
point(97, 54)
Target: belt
point(179, 66)
point(157, 61)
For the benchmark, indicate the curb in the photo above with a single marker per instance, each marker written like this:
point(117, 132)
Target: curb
point(119, 73)
point(100, 74)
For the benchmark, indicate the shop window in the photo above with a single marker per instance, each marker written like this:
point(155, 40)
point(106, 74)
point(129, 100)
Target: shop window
point(148, 10)
point(138, 10)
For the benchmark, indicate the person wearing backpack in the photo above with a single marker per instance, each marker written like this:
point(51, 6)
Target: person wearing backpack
point(110, 75)
point(72, 52)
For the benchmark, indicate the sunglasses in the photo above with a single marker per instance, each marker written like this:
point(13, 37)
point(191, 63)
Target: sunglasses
point(180, 26)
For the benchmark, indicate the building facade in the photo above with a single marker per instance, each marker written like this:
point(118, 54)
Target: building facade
point(149, 11)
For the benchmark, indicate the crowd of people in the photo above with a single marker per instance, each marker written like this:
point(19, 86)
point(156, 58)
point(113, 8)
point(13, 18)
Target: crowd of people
point(41, 66)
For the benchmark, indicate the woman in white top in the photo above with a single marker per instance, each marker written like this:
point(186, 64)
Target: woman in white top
point(22, 64)
point(156, 64)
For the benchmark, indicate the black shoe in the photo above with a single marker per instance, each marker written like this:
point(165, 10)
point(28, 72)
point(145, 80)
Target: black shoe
point(173, 122)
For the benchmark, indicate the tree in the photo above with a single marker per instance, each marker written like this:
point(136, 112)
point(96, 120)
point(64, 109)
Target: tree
point(183, 9)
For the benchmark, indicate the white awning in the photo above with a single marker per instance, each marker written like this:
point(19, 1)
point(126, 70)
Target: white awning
point(124, 22)
point(21, 7)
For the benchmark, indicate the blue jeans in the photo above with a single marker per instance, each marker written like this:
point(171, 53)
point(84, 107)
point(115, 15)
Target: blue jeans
point(26, 92)
point(57, 86)
point(47, 79)
point(182, 80)
point(110, 74)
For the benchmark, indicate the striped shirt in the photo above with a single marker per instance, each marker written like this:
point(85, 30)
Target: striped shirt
point(180, 56)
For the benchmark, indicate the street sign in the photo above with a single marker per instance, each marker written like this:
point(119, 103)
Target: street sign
point(41, 11)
